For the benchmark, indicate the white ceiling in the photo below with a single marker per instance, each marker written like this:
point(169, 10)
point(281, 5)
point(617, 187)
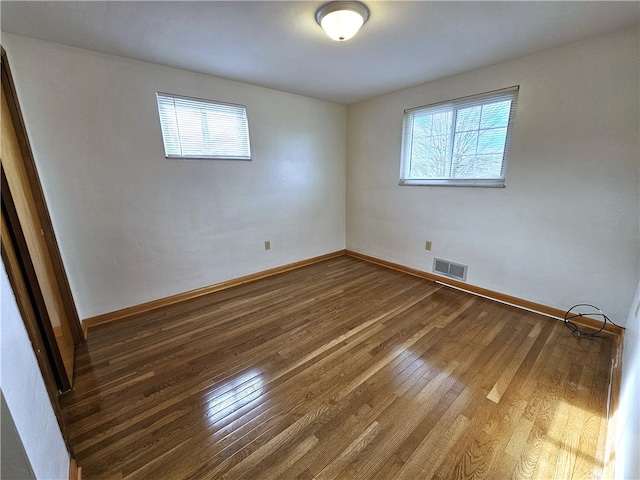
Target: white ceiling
point(279, 44)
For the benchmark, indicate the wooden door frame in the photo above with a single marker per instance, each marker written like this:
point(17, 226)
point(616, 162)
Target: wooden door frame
point(26, 305)
point(41, 204)
point(17, 259)
point(15, 255)
point(19, 267)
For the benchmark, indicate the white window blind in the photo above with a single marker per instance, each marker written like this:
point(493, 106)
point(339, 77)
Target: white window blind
point(458, 142)
point(196, 128)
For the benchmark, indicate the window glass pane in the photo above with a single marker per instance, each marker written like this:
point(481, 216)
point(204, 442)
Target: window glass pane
point(463, 166)
point(422, 126)
point(465, 143)
point(430, 144)
point(468, 118)
point(429, 157)
point(460, 139)
point(441, 123)
point(492, 141)
point(419, 167)
point(489, 166)
point(496, 115)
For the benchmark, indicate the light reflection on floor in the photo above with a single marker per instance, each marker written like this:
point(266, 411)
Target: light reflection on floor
point(573, 445)
point(234, 394)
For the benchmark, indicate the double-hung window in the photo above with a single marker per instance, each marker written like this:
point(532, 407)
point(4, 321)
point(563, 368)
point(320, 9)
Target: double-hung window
point(197, 128)
point(459, 142)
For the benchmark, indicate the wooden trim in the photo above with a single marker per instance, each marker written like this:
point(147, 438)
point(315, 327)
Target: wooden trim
point(17, 268)
point(22, 292)
point(585, 322)
point(75, 472)
point(199, 292)
point(41, 205)
point(500, 297)
point(17, 254)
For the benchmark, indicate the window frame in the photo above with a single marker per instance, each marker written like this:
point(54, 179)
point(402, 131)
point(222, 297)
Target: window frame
point(243, 148)
point(454, 106)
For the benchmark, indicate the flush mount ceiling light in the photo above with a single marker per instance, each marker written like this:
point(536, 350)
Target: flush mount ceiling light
point(342, 20)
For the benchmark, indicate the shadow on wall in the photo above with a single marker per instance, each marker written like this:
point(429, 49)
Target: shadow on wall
point(15, 464)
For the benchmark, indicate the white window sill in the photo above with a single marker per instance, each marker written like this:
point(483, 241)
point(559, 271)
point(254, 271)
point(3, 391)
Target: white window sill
point(497, 183)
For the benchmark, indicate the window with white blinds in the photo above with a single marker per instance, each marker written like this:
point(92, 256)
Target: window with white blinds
point(458, 142)
point(197, 128)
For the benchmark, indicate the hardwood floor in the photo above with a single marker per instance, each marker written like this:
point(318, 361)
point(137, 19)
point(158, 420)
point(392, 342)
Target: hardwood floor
point(342, 369)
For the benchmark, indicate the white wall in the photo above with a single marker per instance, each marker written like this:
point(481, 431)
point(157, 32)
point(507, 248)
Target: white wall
point(627, 439)
point(26, 395)
point(134, 226)
point(565, 228)
point(628, 416)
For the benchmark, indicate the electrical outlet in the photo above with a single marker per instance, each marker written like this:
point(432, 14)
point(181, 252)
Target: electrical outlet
point(427, 245)
point(267, 245)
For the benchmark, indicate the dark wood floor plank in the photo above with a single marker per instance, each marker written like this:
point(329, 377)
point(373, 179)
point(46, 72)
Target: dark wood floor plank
point(341, 369)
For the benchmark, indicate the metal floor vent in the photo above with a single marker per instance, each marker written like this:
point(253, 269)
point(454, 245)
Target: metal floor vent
point(450, 269)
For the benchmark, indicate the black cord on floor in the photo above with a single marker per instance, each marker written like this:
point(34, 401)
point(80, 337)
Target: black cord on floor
point(596, 313)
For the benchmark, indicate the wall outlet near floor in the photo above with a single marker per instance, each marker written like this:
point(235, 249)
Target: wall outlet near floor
point(427, 245)
point(267, 245)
